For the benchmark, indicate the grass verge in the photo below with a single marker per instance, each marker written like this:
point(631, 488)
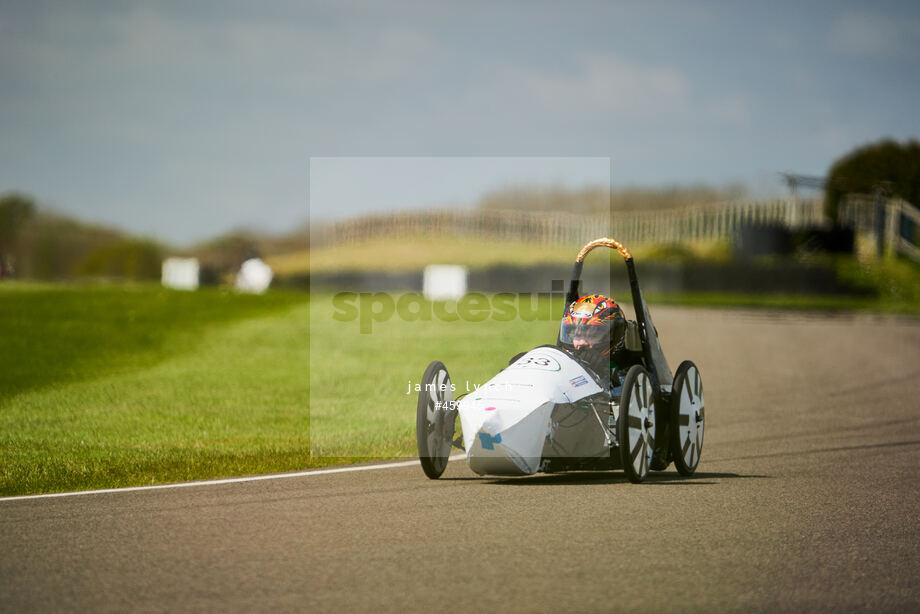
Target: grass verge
point(115, 386)
point(414, 253)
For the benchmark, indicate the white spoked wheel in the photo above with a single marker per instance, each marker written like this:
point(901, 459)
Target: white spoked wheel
point(688, 417)
point(434, 426)
point(636, 424)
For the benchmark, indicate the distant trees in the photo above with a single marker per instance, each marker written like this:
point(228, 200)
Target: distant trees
point(15, 210)
point(39, 244)
point(36, 244)
point(887, 165)
point(54, 246)
point(126, 258)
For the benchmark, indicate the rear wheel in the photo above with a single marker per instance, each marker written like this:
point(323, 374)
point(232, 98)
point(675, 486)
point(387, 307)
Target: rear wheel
point(434, 425)
point(636, 424)
point(688, 417)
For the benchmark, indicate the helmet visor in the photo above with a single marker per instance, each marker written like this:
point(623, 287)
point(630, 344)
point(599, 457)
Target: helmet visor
point(593, 334)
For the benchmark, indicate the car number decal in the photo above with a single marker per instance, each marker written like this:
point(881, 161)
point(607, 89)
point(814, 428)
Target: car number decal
point(543, 363)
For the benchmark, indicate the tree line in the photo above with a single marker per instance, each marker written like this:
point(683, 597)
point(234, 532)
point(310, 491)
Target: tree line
point(39, 244)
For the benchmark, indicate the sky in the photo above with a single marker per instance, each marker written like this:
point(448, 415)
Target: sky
point(184, 119)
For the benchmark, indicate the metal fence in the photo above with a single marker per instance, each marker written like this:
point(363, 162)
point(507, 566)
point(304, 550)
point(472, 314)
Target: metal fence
point(716, 221)
point(685, 224)
point(893, 222)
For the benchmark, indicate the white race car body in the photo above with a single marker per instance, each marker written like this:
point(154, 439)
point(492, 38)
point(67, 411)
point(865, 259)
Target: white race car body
point(529, 412)
point(547, 412)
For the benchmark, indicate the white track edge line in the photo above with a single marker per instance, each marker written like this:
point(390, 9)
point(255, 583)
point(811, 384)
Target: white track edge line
point(219, 482)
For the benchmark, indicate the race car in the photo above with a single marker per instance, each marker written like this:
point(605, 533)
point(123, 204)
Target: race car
point(550, 411)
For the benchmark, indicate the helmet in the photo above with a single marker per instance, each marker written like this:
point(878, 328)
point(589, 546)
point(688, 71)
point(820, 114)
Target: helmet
point(592, 326)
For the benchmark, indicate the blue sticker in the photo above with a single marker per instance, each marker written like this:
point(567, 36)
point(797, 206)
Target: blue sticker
point(578, 381)
point(488, 441)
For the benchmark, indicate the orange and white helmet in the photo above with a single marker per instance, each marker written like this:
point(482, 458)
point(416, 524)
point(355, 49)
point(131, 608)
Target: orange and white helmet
point(593, 322)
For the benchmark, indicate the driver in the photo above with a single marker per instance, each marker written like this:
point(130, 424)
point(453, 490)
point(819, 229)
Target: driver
point(594, 327)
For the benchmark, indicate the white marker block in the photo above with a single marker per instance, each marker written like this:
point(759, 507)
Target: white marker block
point(180, 273)
point(444, 282)
point(255, 276)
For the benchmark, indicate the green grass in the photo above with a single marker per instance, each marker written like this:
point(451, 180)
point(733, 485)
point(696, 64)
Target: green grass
point(894, 281)
point(56, 334)
point(115, 386)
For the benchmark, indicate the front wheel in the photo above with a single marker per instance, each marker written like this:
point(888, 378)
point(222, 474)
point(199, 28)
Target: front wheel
point(434, 425)
point(688, 417)
point(636, 424)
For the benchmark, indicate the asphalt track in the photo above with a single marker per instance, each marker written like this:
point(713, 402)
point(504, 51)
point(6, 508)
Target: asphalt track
point(806, 499)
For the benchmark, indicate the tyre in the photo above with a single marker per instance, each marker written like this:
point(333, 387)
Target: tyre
point(434, 425)
point(636, 424)
point(688, 418)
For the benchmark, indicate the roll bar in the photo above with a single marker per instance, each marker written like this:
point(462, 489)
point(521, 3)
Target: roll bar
point(603, 242)
point(651, 347)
